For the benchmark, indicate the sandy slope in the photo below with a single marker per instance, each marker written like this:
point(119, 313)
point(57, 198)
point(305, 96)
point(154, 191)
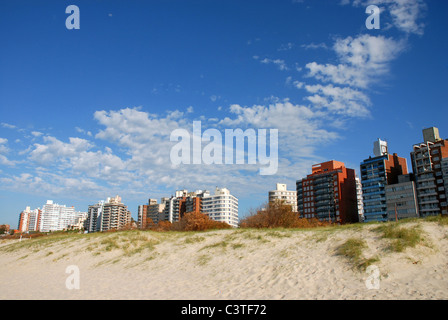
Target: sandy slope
point(225, 264)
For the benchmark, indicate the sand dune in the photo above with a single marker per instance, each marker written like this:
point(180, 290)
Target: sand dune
point(225, 264)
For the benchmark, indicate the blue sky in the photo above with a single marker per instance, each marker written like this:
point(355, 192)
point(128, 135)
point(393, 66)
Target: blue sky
point(86, 114)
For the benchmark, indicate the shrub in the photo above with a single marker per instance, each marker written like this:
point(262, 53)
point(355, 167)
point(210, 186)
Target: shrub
point(278, 215)
point(191, 221)
point(195, 221)
point(162, 226)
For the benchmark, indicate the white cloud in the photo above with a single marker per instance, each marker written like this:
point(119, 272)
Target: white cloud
point(3, 151)
point(362, 61)
point(314, 46)
point(36, 133)
point(7, 125)
point(343, 101)
point(80, 130)
point(278, 62)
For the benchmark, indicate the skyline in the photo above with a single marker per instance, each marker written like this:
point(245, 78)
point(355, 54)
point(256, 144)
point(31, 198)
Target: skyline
point(87, 114)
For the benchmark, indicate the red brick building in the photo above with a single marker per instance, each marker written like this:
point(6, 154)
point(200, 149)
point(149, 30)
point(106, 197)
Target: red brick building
point(328, 193)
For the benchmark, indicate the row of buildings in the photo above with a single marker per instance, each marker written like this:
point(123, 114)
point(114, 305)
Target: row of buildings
point(104, 216)
point(221, 206)
point(385, 189)
point(113, 214)
point(52, 217)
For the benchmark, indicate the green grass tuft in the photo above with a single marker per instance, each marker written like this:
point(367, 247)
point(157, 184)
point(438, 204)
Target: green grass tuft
point(353, 250)
point(400, 236)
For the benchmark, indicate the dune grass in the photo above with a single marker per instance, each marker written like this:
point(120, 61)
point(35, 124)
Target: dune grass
point(353, 249)
point(401, 237)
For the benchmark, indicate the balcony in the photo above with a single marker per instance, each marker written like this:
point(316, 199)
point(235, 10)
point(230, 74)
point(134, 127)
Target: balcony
point(429, 201)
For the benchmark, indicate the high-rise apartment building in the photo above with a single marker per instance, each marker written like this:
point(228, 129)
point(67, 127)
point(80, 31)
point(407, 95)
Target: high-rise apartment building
point(328, 193)
point(174, 206)
point(55, 217)
point(222, 206)
point(94, 217)
point(115, 215)
point(29, 220)
point(426, 160)
point(285, 196)
point(150, 212)
point(24, 219)
point(376, 174)
point(34, 220)
point(359, 200)
point(443, 198)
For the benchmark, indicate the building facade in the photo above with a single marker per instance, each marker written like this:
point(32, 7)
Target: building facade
point(285, 196)
point(328, 193)
point(115, 215)
point(401, 199)
point(377, 173)
point(427, 163)
point(55, 217)
point(94, 217)
point(359, 199)
point(24, 220)
point(443, 198)
point(222, 206)
point(150, 212)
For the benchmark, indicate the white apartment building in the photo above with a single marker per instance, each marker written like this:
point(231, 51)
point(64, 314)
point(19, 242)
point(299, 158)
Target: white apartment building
point(287, 197)
point(171, 206)
point(222, 206)
point(359, 199)
point(56, 217)
point(94, 217)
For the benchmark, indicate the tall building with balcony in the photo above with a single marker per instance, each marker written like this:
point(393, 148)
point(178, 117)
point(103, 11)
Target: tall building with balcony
point(285, 196)
point(221, 206)
point(29, 220)
point(359, 201)
point(443, 198)
point(115, 215)
point(175, 206)
point(94, 217)
point(55, 217)
point(426, 160)
point(376, 174)
point(24, 219)
point(150, 212)
point(328, 193)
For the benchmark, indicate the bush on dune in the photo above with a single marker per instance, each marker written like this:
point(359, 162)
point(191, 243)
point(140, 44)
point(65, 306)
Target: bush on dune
point(278, 215)
point(192, 221)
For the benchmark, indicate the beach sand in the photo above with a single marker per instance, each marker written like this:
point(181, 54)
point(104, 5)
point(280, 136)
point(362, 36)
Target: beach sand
point(224, 264)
